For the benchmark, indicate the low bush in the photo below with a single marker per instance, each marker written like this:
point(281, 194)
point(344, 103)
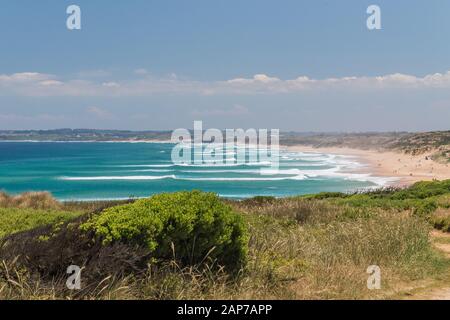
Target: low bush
point(423, 190)
point(326, 195)
point(422, 198)
point(189, 227)
point(17, 220)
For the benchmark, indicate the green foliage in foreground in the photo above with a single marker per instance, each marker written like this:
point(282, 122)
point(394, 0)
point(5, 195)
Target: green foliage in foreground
point(309, 247)
point(188, 226)
point(16, 220)
point(422, 197)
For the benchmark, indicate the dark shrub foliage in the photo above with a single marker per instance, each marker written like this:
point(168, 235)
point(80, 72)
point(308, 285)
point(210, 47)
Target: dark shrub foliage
point(190, 227)
point(46, 252)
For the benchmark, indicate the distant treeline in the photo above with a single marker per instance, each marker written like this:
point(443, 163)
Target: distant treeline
point(82, 135)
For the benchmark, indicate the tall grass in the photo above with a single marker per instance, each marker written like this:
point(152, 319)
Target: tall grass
point(316, 247)
point(34, 200)
point(322, 258)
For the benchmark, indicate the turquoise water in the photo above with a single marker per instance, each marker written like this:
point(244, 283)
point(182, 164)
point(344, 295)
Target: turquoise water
point(83, 171)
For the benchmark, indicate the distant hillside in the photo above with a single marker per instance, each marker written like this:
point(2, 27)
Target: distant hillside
point(412, 143)
point(82, 135)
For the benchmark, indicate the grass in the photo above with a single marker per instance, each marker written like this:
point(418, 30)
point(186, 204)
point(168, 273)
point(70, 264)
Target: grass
point(17, 220)
point(34, 200)
point(309, 247)
point(442, 240)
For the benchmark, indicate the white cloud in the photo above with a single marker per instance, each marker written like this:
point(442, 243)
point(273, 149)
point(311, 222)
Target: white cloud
point(257, 78)
point(50, 83)
point(24, 77)
point(111, 84)
point(40, 84)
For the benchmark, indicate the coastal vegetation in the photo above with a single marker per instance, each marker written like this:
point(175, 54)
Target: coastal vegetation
point(437, 142)
point(190, 227)
point(82, 135)
point(194, 245)
point(414, 143)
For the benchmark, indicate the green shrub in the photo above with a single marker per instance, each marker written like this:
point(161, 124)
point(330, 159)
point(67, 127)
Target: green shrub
point(326, 195)
point(423, 198)
point(188, 226)
point(16, 220)
point(425, 207)
point(424, 189)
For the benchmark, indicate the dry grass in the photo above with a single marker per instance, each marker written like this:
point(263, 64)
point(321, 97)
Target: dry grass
point(300, 248)
point(31, 200)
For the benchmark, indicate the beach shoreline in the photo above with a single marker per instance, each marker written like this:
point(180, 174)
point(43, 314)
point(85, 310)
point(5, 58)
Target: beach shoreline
point(405, 168)
point(400, 169)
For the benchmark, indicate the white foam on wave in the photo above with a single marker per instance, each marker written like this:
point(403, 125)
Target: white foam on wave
point(146, 166)
point(299, 177)
point(221, 164)
point(249, 171)
point(292, 168)
point(99, 178)
point(200, 171)
point(218, 154)
point(205, 163)
point(337, 172)
point(152, 170)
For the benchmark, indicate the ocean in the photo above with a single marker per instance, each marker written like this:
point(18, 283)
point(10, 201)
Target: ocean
point(120, 170)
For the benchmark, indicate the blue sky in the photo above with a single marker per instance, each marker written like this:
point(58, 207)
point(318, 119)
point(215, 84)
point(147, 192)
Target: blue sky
point(294, 65)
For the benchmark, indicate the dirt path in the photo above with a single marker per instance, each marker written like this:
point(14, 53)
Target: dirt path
point(440, 290)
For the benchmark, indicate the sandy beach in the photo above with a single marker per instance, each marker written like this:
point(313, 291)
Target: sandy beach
point(406, 168)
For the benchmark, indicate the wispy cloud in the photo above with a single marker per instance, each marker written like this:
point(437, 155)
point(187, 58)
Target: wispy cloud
point(41, 84)
point(141, 71)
